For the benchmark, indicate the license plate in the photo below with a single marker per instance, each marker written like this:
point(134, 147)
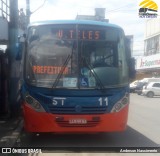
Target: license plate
point(77, 121)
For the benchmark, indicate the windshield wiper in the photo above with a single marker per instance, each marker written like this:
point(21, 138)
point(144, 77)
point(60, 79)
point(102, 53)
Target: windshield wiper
point(99, 82)
point(61, 71)
point(63, 68)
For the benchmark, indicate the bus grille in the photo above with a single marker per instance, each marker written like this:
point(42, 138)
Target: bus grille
point(73, 110)
point(70, 108)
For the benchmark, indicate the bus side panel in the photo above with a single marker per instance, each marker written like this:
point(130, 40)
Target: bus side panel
point(46, 122)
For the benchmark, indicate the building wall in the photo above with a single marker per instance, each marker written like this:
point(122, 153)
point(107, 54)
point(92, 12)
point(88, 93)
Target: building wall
point(3, 31)
point(152, 37)
point(152, 28)
point(149, 64)
point(4, 9)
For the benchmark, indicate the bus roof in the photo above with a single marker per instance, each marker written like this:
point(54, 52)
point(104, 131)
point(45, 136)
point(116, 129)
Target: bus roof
point(86, 22)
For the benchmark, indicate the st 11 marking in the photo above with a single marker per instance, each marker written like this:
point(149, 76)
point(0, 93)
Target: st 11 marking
point(101, 100)
point(57, 100)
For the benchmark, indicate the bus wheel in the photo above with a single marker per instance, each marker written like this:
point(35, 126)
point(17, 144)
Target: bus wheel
point(150, 94)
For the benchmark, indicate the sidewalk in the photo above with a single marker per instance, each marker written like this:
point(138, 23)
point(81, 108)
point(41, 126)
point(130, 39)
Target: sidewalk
point(10, 129)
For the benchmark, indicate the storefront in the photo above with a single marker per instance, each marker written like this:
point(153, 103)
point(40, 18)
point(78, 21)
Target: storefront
point(148, 66)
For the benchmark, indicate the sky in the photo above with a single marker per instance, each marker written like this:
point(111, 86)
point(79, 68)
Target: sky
point(123, 13)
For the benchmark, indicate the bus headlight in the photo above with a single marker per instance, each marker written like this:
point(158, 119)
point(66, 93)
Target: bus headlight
point(34, 103)
point(120, 104)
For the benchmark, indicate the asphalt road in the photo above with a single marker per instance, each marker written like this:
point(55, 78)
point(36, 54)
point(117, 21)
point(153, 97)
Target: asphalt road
point(144, 116)
point(143, 130)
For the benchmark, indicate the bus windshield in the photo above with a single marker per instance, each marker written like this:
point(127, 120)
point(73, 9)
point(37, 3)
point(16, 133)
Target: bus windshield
point(75, 56)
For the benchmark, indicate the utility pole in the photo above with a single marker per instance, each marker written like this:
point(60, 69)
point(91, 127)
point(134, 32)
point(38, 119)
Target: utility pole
point(13, 25)
point(12, 51)
point(28, 12)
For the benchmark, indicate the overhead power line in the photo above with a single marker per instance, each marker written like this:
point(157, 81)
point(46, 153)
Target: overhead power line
point(39, 7)
point(116, 9)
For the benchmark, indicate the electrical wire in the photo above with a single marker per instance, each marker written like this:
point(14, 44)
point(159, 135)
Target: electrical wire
point(131, 8)
point(39, 7)
point(117, 9)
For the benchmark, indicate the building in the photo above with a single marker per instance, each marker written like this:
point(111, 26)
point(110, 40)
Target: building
point(99, 15)
point(4, 19)
point(149, 64)
point(152, 37)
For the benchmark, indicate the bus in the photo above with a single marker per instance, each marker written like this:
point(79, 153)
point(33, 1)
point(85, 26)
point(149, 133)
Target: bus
point(75, 77)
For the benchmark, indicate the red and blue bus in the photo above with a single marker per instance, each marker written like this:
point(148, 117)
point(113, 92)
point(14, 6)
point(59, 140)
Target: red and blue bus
point(75, 77)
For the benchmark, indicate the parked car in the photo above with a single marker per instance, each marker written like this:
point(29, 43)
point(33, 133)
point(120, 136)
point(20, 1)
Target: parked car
point(143, 83)
point(140, 86)
point(132, 86)
point(152, 89)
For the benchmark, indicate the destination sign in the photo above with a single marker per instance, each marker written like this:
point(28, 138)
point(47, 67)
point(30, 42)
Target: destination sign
point(80, 34)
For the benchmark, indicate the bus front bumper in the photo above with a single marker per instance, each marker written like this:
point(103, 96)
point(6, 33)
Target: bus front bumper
point(61, 123)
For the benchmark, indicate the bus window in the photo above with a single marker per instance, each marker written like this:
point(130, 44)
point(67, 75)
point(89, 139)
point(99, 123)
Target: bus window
point(102, 57)
point(69, 53)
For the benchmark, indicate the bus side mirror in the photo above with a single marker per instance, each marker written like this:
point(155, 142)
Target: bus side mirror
point(130, 60)
point(132, 70)
point(19, 47)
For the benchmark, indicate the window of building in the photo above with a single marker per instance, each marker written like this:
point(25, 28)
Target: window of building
point(152, 45)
